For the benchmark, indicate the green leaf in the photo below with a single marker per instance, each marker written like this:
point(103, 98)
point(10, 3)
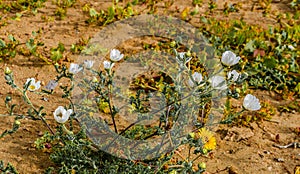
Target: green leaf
point(111, 12)
point(2, 43)
point(250, 46)
point(297, 89)
point(11, 38)
point(294, 67)
point(270, 63)
point(61, 47)
point(203, 19)
point(93, 12)
point(56, 55)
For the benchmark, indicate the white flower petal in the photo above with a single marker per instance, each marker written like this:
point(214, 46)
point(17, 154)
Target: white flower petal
point(251, 103)
point(291, 47)
point(182, 59)
point(88, 63)
point(51, 85)
point(108, 64)
point(218, 82)
point(229, 58)
point(33, 86)
point(74, 68)
point(115, 55)
point(38, 85)
point(234, 75)
point(61, 115)
point(197, 77)
point(69, 111)
point(191, 83)
point(30, 80)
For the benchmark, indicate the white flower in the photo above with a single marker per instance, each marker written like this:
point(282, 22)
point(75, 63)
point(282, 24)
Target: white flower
point(218, 82)
point(182, 58)
point(61, 115)
point(74, 68)
point(33, 86)
point(234, 75)
point(108, 64)
point(115, 55)
point(291, 47)
point(88, 63)
point(197, 77)
point(229, 58)
point(51, 85)
point(251, 103)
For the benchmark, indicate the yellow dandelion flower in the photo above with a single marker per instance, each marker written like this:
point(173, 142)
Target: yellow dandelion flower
point(208, 139)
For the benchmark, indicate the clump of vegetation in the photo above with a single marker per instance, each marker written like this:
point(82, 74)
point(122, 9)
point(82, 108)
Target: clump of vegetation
point(21, 5)
point(268, 59)
point(8, 168)
point(62, 7)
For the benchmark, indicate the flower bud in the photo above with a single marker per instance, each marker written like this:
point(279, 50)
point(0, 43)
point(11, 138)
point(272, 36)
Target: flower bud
point(202, 165)
point(7, 71)
point(8, 99)
point(188, 54)
point(95, 80)
point(204, 151)
point(172, 44)
point(17, 122)
point(56, 65)
point(192, 135)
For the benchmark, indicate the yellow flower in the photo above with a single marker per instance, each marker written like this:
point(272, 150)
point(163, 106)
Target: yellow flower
point(208, 139)
point(104, 106)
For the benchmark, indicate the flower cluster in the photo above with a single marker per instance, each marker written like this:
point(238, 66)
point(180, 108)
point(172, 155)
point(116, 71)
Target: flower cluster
point(115, 56)
point(75, 68)
point(229, 59)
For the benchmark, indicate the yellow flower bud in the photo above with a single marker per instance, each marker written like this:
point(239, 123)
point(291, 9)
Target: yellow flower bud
point(172, 44)
point(202, 165)
point(188, 54)
point(192, 135)
point(17, 122)
point(7, 71)
point(95, 80)
point(204, 151)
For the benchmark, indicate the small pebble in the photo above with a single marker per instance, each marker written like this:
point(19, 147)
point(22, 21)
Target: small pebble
point(279, 159)
point(45, 99)
point(270, 168)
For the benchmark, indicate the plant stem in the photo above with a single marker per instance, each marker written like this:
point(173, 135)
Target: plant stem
point(111, 110)
point(31, 105)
